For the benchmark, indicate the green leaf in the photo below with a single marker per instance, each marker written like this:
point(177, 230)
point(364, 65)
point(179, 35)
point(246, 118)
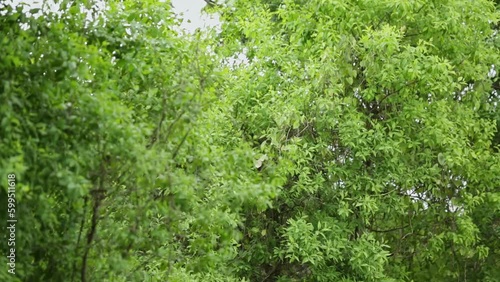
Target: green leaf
point(441, 159)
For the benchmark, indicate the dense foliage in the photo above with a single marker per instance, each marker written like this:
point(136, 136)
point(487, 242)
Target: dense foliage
point(357, 141)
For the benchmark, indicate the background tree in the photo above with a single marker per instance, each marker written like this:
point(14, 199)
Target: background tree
point(381, 118)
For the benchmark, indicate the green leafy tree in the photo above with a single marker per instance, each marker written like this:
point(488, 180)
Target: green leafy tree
point(357, 141)
point(108, 121)
point(381, 117)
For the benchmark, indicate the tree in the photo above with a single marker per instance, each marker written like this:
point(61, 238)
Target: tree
point(108, 125)
point(358, 141)
point(379, 116)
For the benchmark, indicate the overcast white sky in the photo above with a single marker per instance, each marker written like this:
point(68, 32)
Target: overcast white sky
point(189, 9)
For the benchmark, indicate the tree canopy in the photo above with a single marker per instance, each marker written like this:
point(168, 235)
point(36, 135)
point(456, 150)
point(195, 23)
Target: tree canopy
point(357, 141)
